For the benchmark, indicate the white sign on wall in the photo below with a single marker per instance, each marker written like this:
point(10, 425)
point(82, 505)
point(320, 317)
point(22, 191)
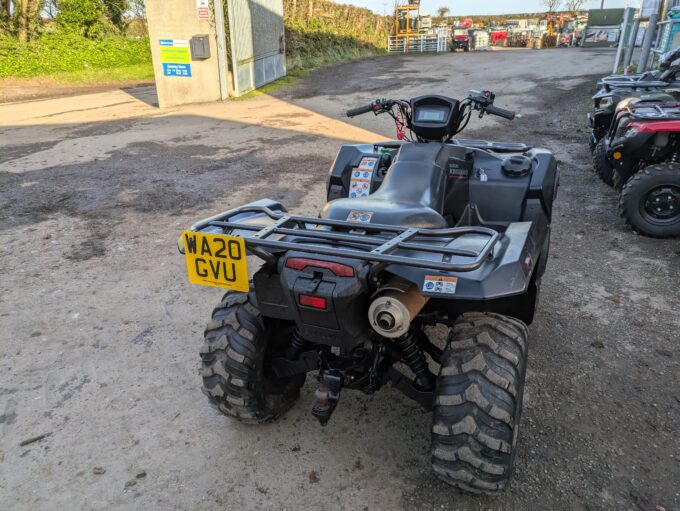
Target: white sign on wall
point(203, 9)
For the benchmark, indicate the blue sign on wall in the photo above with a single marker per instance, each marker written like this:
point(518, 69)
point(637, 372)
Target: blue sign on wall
point(177, 69)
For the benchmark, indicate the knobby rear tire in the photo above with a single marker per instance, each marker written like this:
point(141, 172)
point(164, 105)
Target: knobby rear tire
point(234, 369)
point(478, 402)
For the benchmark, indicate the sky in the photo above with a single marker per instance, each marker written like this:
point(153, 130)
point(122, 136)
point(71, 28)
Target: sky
point(469, 7)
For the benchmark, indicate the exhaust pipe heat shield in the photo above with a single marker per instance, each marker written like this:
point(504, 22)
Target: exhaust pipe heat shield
point(392, 312)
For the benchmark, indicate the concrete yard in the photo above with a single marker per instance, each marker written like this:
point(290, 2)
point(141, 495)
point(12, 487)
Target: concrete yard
point(100, 330)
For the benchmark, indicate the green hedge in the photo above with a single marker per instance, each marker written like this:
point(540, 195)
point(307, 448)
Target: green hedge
point(54, 53)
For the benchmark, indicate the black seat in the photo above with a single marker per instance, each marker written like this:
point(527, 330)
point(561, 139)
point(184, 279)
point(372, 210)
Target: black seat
point(412, 195)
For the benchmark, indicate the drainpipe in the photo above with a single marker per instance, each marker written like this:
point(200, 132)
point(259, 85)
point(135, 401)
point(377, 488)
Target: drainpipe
point(622, 42)
point(647, 43)
point(628, 58)
point(221, 37)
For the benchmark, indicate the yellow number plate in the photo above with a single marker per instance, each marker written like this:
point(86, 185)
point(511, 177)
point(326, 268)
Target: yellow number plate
point(216, 260)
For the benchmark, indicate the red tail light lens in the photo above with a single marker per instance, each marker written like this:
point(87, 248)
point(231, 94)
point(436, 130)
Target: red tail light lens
point(338, 269)
point(316, 302)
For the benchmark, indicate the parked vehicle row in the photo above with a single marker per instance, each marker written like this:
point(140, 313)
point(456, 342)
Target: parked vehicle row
point(635, 139)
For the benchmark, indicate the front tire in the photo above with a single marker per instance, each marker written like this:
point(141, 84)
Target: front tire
point(602, 165)
point(479, 402)
point(236, 377)
point(650, 201)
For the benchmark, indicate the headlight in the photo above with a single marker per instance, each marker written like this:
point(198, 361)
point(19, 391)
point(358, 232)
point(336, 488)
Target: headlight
point(606, 102)
point(631, 131)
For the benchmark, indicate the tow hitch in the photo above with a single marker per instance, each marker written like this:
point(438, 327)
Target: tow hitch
point(327, 395)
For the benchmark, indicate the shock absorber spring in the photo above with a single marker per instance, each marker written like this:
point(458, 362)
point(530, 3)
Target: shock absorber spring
point(297, 346)
point(413, 357)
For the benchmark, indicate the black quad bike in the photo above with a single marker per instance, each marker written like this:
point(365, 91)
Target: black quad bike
point(424, 230)
point(662, 86)
point(642, 152)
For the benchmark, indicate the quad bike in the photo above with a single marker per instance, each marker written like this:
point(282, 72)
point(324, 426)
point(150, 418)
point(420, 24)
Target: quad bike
point(642, 152)
point(420, 231)
point(662, 85)
point(460, 40)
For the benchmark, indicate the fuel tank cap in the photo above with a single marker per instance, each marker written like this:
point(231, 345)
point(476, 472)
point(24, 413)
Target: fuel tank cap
point(516, 166)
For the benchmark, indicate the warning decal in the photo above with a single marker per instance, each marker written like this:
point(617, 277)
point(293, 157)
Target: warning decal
point(363, 217)
point(437, 284)
point(362, 176)
point(368, 164)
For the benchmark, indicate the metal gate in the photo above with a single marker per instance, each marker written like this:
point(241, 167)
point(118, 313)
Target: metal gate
point(257, 42)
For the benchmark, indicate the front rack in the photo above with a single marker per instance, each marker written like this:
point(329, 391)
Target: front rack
point(367, 242)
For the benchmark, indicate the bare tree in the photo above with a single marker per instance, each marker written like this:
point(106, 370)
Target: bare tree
point(138, 8)
point(50, 8)
point(552, 5)
point(574, 6)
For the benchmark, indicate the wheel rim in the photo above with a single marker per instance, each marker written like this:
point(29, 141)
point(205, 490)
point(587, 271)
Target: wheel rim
point(661, 205)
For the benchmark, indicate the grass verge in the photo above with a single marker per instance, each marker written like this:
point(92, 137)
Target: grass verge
point(135, 72)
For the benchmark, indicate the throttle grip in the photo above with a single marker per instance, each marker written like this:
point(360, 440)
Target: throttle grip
point(500, 112)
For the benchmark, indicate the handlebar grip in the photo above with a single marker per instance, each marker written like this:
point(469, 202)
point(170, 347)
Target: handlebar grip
point(500, 112)
point(353, 112)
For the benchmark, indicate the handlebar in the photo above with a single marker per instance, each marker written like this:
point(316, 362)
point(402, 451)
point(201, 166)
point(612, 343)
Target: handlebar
point(353, 112)
point(459, 115)
point(483, 101)
point(500, 112)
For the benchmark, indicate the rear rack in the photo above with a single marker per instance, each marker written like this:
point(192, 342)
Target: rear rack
point(654, 111)
point(367, 242)
point(633, 84)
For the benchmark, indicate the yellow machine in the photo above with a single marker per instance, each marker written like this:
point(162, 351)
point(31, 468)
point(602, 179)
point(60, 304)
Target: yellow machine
point(406, 19)
point(551, 27)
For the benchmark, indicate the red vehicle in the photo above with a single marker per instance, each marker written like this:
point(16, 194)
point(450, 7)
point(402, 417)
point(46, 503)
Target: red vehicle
point(460, 39)
point(643, 149)
point(498, 36)
point(564, 40)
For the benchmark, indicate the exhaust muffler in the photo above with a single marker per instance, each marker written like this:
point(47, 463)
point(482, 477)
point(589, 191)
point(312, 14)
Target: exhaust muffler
point(392, 312)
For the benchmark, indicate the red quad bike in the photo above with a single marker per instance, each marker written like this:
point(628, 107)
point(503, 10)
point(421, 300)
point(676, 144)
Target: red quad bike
point(643, 151)
point(460, 39)
point(429, 229)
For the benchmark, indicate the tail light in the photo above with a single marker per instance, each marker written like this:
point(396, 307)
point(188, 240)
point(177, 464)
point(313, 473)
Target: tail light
point(338, 269)
point(316, 302)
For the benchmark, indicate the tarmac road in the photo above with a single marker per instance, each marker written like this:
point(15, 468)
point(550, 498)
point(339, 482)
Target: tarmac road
point(99, 330)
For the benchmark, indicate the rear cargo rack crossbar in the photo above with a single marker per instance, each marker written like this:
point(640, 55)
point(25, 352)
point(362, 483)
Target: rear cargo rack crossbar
point(374, 247)
point(634, 85)
point(664, 111)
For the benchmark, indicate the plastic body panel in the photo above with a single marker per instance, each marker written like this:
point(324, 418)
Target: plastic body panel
point(342, 323)
point(469, 174)
point(442, 178)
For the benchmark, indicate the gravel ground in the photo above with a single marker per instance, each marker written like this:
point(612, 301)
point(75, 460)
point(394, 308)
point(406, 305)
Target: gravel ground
point(99, 330)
